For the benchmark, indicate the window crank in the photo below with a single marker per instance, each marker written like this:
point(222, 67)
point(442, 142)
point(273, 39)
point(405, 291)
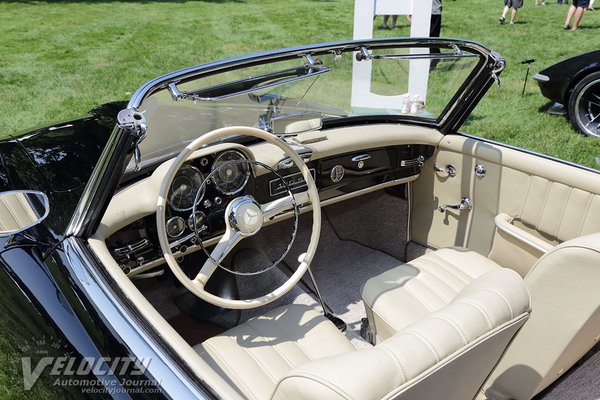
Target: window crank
point(465, 204)
point(449, 170)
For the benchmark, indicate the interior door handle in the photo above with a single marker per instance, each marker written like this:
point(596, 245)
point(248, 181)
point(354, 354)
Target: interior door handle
point(465, 204)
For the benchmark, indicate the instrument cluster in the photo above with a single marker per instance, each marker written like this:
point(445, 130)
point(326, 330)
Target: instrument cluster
point(208, 183)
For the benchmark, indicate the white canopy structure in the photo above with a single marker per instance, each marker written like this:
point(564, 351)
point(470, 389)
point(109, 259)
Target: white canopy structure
point(364, 13)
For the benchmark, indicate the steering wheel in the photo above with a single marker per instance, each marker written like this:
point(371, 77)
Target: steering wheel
point(240, 221)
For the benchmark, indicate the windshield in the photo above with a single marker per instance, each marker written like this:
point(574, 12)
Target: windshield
point(415, 83)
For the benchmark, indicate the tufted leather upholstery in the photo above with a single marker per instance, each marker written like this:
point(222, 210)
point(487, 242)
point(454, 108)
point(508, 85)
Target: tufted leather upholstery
point(293, 353)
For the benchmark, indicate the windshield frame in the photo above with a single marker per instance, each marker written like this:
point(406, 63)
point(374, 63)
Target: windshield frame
point(121, 145)
point(489, 66)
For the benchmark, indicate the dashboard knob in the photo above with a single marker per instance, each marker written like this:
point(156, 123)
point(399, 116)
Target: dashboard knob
point(337, 173)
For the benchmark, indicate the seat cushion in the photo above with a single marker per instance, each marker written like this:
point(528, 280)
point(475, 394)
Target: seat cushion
point(446, 355)
point(403, 295)
point(254, 356)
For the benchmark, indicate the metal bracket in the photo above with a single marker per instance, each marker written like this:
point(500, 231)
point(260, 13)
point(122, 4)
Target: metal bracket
point(133, 123)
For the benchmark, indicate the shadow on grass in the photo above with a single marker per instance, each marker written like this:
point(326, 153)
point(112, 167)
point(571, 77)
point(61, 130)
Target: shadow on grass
point(38, 2)
point(474, 117)
point(586, 27)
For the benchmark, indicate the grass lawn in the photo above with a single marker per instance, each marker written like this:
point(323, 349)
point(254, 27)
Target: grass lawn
point(60, 58)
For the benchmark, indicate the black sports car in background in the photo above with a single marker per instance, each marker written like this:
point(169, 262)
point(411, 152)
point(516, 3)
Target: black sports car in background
point(575, 83)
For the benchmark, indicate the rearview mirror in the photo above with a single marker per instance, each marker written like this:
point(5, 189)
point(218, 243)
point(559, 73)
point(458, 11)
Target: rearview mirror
point(21, 209)
point(294, 123)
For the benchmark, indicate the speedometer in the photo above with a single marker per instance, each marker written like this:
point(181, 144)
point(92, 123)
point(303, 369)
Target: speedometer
point(230, 172)
point(184, 188)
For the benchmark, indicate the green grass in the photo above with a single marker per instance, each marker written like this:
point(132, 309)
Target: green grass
point(60, 58)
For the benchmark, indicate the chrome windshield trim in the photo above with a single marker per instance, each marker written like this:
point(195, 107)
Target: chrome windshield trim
point(163, 81)
point(162, 367)
point(76, 224)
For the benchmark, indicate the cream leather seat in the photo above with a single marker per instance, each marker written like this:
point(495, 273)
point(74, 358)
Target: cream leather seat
point(404, 294)
point(295, 353)
point(564, 324)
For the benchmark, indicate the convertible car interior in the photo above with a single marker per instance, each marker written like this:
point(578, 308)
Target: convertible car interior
point(362, 249)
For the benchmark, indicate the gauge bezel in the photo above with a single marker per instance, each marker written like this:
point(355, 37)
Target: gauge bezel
point(190, 220)
point(197, 171)
point(182, 230)
point(213, 168)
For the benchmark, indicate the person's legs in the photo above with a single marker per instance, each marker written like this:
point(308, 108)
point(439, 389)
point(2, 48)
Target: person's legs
point(385, 21)
point(503, 16)
point(569, 16)
point(394, 20)
point(578, 14)
point(513, 15)
point(434, 31)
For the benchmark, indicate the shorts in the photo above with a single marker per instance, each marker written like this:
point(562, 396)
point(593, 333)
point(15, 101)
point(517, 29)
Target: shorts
point(515, 3)
point(581, 3)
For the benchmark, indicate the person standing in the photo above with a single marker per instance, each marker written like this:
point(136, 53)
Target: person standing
point(385, 21)
point(436, 18)
point(510, 4)
point(575, 13)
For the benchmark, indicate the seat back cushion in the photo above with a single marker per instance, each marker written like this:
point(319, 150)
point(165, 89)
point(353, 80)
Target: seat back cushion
point(564, 323)
point(447, 354)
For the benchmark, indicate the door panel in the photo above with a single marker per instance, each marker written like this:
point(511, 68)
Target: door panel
point(552, 201)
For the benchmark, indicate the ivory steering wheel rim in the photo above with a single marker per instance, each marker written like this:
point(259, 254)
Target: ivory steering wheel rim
point(197, 284)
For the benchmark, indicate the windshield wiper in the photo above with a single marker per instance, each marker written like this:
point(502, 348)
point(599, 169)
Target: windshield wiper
point(218, 92)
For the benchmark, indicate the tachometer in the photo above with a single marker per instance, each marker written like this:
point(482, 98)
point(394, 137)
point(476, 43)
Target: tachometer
point(185, 186)
point(231, 173)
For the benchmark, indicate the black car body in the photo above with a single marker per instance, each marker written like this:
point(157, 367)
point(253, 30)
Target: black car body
point(67, 309)
point(562, 83)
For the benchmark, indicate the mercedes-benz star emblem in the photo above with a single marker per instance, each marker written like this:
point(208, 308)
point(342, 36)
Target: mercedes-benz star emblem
point(250, 216)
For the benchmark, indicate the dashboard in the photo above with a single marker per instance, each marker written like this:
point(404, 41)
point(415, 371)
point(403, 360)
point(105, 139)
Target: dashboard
point(206, 184)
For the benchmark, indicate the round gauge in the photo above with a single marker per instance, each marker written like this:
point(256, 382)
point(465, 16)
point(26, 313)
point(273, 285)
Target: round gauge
point(184, 188)
point(231, 173)
point(175, 227)
point(200, 220)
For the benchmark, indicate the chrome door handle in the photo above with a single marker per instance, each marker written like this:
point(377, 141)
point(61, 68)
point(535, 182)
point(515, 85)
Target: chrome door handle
point(465, 204)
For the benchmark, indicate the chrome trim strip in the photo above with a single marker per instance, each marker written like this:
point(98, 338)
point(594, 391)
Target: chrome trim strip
point(139, 341)
point(361, 157)
point(541, 78)
point(76, 223)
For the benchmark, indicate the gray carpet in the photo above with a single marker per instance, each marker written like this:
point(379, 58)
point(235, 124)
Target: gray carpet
point(582, 382)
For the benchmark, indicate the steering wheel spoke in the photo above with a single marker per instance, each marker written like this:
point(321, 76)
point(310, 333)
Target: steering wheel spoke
point(228, 241)
point(280, 206)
